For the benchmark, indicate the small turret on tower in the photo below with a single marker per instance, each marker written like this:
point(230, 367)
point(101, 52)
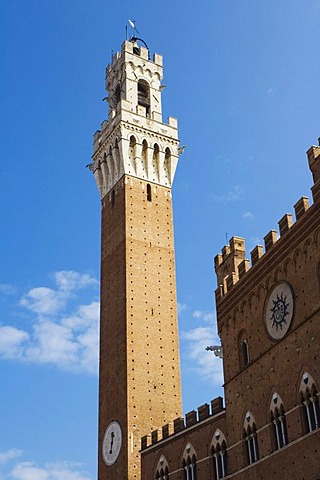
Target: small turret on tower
point(314, 165)
point(227, 262)
point(314, 162)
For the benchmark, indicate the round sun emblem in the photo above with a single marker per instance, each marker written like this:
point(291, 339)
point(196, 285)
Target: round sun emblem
point(279, 310)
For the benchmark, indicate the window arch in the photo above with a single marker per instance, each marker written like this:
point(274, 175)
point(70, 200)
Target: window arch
point(105, 170)
point(132, 143)
point(278, 420)
point(189, 463)
point(243, 348)
point(117, 95)
point(144, 157)
point(167, 164)
point(219, 455)
point(155, 161)
point(310, 402)
point(144, 95)
point(133, 151)
point(162, 472)
point(250, 438)
point(111, 163)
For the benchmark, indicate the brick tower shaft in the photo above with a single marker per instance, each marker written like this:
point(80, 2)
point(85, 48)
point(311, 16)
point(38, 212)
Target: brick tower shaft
point(135, 157)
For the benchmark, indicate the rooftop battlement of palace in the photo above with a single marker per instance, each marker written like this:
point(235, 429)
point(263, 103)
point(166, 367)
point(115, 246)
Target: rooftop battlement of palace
point(180, 424)
point(231, 265)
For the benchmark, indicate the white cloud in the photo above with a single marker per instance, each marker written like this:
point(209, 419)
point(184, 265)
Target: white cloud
point(271, 92)
point(11, 454)
point(71, 343)
point(248, 215)
point(204, 363)
point(12, 341)
point(195, 357)
point(7, 289)
point(44, 301)
point(68, 281)
point(235, 194)
point(67, 340)
point(207, 317)
point(181, 308)
point(50, 471)
point(47, 301)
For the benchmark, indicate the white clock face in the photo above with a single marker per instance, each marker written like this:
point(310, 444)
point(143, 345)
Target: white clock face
point(279, 310)
point(111, 444)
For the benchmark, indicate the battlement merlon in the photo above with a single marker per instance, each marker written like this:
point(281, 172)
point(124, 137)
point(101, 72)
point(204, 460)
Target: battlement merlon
point(191, 419)
point(227, 262)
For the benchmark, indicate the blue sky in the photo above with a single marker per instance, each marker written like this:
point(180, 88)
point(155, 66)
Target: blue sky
point(242, 78)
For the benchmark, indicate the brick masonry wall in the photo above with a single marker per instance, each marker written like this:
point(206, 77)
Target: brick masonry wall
point(139, 356)
point(199, 436)
point(274, 366)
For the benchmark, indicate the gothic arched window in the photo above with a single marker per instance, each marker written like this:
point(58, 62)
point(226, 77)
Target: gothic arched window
point(278, 420)
point(310, 402)
point(219, 455)
point(162, 472)
point(189, 463)
point(251, 439)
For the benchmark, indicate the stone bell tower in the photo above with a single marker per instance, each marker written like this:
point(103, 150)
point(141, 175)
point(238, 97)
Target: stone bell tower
point(135, 158)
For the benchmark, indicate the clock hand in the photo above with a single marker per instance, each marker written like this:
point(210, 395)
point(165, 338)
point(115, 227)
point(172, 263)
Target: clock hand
point(111, 445)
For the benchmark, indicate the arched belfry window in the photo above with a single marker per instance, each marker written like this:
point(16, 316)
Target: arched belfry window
point(189, 463)
point(155, 162)
point(144, 157)
point(167, 164)
point(133, 142)
point(133, 151)
point(144, 95)
point(219, 455)
point(117, 95)
point(310, 401)
point(162, 472)
point(250, 438)
point(278, 420)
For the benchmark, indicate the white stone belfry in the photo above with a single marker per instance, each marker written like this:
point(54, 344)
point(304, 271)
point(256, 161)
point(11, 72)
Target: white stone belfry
point(134, 141)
